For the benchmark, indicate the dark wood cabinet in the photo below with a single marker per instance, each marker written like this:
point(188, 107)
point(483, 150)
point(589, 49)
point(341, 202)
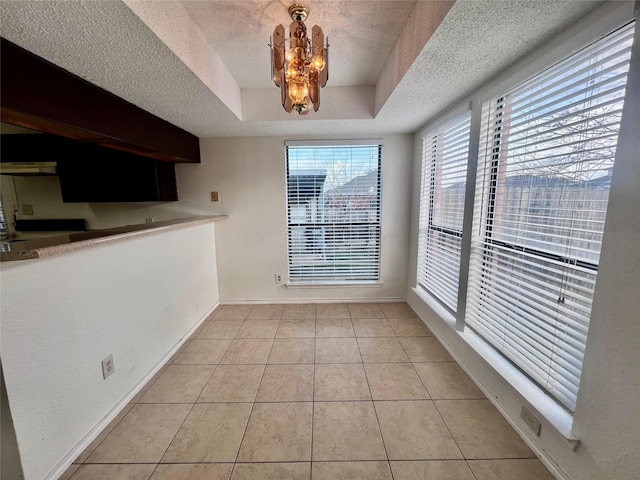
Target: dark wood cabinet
point(91, 173)
point(143, 180)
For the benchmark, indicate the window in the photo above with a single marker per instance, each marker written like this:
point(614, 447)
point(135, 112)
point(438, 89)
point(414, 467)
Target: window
point(445, 154)
point(3, 224)
point(547, 149)
point(333, 211)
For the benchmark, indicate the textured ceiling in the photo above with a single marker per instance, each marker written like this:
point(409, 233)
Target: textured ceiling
point(180, 60)
point(361, 33)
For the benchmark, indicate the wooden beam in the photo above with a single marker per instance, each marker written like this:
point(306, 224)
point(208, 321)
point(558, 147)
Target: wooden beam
point(39, 95)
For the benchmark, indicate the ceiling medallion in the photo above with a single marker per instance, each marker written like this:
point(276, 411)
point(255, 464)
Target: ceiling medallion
point(301, 69)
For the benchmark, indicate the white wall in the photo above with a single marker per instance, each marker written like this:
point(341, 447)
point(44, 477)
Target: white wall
point(249, 174)
point(252, 244)
point(607, 420)
point(61, 315)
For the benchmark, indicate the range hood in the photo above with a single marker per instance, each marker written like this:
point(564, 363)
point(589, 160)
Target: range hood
point(28, 168)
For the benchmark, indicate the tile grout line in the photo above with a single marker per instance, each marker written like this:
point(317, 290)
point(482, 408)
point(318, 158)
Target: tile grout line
point(433, 402)
point(193, 405)
point(375, 412)
point(313, 394)
point(253, 406)
point(315, 364)
point(148, 387)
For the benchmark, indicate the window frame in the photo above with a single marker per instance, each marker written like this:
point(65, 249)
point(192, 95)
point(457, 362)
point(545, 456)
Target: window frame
point(293, 280)
point(431, 161)
point(575, 38)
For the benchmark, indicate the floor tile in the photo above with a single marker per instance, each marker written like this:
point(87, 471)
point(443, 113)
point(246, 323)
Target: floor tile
point(233, 383)
point(372, 327)
point(201, 327)
point(446, 380)
point(179, 384)
point(103, 434)
point(334, 327)
point(114, 472)
point(232, 312)
point(413, 430)
point(272, 471)
point(409, 327)
point(258, 329)
point(425, 349)
point(332, 310)
point(286, 383)
point(296, 328)
point(397, 310)
point(248, 351)
point(266, 312)
point(148, 385)
point(346, 431)
point(220, 329)
point(336, 382)
point(211, 433)
point(337, 350)
point(178, 352)
point(292, 350)
point(480, 431)
point(66, 475)
point(278, 432)
point(305, 311)
point(394, 381)
point(142, 436)
point(203, 352)
point(212, 471)
point(351, 471)
point(527, 469)
point(381, 350)
point(365, 310)
point(434, 469)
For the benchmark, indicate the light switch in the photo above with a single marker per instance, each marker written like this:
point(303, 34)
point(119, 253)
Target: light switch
point(214, 196)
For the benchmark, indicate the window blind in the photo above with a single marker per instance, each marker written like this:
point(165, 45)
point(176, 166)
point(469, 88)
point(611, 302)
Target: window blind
point(333, 211)
point(445, 152)
point(547, 150)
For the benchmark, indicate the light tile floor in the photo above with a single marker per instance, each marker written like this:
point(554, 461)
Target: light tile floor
point(322, 392)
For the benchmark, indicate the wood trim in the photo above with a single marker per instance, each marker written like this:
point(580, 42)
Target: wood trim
point(39, 95)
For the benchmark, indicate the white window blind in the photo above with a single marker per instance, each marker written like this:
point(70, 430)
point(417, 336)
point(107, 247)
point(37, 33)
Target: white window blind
point(547, 149)
point(445, 154)
point(333, 209)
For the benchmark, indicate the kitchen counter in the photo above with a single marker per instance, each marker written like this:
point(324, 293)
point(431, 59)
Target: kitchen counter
point(56, 245)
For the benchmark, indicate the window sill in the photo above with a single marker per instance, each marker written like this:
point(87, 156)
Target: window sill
point(556, 416)
point(541, 404)
point(337, 284)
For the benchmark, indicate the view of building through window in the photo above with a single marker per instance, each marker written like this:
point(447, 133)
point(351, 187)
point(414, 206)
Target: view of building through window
point(547, 151)
point(333, 198)
point(445, 153)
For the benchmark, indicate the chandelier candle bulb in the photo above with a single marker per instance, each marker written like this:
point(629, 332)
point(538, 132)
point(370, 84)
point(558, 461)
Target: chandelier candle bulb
point(301, 69)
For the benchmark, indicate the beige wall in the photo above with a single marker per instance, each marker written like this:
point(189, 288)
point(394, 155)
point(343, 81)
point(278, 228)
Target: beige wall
point(249, 174)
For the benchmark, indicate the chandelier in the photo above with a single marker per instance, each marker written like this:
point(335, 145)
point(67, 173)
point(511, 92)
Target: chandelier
point(301, 69)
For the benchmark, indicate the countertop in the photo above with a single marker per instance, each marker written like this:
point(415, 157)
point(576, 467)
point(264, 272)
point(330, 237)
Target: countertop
point(55, 245)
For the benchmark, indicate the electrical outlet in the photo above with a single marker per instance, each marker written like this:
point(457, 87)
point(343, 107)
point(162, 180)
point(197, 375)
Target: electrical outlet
point(148, 220)
point(214, 196)
point(27, 209)
point(107, 366)
point(532, 422)
point(278, 277)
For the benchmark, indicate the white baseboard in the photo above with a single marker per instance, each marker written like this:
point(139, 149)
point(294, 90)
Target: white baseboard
point(315, 300)
point(66, 462)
